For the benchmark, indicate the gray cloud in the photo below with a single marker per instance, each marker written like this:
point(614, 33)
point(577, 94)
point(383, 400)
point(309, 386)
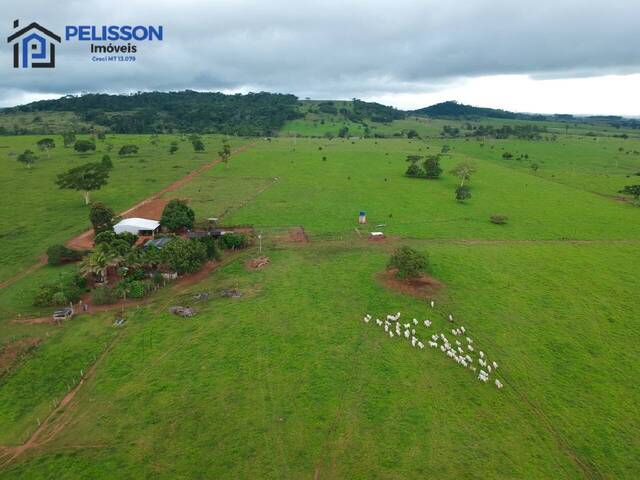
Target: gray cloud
point(330, 49)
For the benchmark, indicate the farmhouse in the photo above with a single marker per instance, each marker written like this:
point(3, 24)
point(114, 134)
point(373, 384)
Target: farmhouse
point(137, 226)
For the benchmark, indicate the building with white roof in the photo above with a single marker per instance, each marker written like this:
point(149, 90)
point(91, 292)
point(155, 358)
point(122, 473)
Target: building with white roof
point(137, 226)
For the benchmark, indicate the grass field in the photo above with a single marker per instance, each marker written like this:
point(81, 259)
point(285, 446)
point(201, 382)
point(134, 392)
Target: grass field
point(289, 382)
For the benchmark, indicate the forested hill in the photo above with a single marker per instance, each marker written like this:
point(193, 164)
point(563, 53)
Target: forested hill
point(452, 109)
point(187, 111)
point(253, 114)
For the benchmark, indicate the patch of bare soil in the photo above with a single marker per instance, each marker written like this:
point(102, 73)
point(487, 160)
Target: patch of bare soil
point(11, 353)
point(193, 278)
point(257, 263)
point(297, 235)
point(423, 287)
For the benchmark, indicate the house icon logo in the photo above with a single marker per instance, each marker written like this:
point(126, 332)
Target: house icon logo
point(33, 46)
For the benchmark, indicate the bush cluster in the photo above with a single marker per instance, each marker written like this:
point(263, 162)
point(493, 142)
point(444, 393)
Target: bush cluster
point(67, 289)
point(60, 254)
point(233, 241)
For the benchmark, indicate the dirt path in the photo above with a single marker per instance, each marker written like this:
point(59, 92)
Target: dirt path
point(57, 419)
point(149, 208)
point(42, 260)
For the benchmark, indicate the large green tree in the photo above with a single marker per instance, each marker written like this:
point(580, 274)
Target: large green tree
point(177, 216)
point(463, 171)
point(184, 256)
point(85, 178)
point(101, 218)
point(408, 262)
point(432, 167)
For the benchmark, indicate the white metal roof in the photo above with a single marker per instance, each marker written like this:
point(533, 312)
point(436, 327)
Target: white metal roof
point(136, 223)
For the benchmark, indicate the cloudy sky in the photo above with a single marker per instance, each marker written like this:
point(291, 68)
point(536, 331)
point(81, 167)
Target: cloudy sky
point(544, 56)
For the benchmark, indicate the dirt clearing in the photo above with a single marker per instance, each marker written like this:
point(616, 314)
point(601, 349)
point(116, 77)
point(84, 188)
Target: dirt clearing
point(422, 287)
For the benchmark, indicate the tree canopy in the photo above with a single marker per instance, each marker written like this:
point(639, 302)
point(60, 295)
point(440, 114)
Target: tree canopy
point(101, 218)
point(408, 262)
point(28, 158)
point(463, 171)
point(83, 146)
point(85, 178)
point(177, 216)
point(128, 150)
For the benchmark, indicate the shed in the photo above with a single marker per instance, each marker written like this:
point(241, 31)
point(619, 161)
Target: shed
point(137, 226)
point(158, 242)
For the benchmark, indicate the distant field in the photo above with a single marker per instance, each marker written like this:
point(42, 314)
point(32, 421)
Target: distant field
point(326, 195)
point(288, 381)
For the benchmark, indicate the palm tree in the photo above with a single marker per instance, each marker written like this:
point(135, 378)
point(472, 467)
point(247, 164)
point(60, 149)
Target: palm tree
point(98, 261)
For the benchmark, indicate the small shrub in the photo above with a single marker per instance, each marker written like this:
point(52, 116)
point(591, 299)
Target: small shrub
point(233, 241)
point(463, 192)
point(498, 219)
point(66, 290)
point(136, 289)
point(59, 254)
point(104, 296)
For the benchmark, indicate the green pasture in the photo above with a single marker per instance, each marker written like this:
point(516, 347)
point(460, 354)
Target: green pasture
point(287, 381)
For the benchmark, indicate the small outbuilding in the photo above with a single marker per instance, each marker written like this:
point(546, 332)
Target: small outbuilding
point(138, 226)
point(158, 243)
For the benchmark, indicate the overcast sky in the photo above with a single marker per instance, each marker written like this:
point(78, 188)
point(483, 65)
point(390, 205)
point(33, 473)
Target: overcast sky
point(544, 56)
